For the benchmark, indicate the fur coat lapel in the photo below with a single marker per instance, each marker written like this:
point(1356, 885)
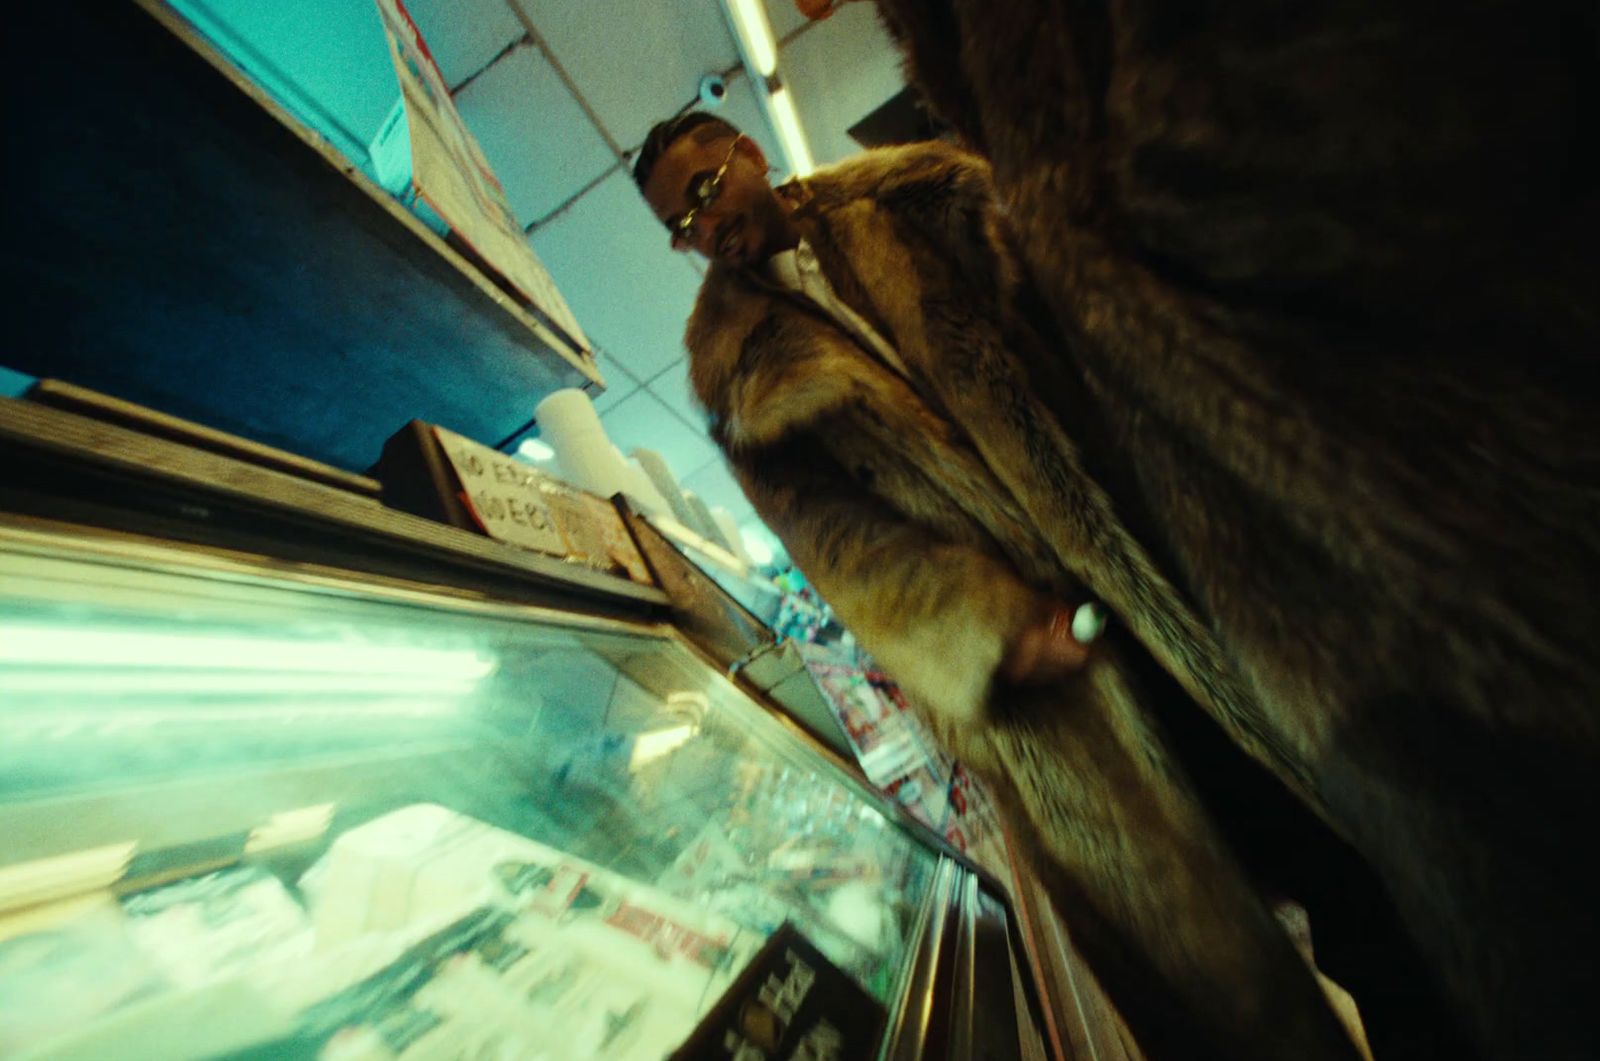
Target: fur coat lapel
point(933, 510)
point(908, 238)
point(1331, 279)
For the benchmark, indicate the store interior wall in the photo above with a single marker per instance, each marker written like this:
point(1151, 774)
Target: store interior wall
point(560, 94)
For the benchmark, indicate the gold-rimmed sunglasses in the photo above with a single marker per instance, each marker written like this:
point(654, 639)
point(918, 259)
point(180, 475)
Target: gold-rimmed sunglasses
point(704, 194)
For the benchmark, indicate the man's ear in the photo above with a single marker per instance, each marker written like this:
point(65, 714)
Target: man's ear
point(752, 150)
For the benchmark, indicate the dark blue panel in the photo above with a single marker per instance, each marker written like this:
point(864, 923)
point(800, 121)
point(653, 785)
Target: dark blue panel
point(171, 243)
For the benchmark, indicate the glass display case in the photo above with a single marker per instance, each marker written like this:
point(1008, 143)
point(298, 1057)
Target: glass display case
point(287, 773)
point(257, 799)
point(830, 684)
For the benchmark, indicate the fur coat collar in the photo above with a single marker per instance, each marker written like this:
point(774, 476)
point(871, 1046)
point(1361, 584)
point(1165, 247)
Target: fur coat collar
point(909, 239)
point(935, 510)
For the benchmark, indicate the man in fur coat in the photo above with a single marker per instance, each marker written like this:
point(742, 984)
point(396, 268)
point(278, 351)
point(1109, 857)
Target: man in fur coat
point(1327, 275)
point(860, 350)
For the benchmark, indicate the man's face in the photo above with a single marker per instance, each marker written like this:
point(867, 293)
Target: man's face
point(736, 226)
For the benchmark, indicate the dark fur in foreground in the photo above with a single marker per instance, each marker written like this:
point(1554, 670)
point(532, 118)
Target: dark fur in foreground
point(1326, 276)
point(930, 510)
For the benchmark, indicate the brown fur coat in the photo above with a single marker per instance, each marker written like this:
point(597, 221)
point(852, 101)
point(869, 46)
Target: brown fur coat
point(1328, 279)
point(930, 510)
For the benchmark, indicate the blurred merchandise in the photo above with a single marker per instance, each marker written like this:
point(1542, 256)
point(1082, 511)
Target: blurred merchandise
point(897, 751)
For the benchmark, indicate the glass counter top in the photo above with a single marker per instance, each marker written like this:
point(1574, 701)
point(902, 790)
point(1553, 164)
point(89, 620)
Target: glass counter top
point(312, 818)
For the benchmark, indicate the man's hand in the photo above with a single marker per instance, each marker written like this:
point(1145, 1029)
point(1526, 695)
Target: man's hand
point(1054, 645)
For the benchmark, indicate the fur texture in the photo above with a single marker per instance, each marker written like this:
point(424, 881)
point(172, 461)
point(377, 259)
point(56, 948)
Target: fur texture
point(1325, 277)
point(932, 510)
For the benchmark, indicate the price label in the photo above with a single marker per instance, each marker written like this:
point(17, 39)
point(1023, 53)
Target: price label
point(615, 538)
point(568, 513)
point(595, 533)
point(502, 495)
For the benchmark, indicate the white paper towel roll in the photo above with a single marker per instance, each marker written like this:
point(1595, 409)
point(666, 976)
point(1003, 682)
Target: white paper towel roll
point(655, 466)
point(643, 491)
point(568, 422)
point(730, 531)
point(704, 525)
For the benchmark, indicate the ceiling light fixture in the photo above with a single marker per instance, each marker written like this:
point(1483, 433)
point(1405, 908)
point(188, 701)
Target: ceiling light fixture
point(759, 48)
point(749, 18)
point(781, 106)
point(186, 650)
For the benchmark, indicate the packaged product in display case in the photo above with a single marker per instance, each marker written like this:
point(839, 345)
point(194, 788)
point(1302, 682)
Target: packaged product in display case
point(896, 750)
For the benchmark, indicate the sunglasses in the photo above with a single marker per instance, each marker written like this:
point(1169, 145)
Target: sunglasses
point(704, 194)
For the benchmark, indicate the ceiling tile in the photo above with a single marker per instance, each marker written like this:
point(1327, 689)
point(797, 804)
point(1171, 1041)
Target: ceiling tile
point(619, 381)
point(635, 61)
point(672, 387)
point(840, 71)
point(541, 145)
point(611, 259)
point(785, 17)
point(719, 489)
point(643, 420)
point(464, 35)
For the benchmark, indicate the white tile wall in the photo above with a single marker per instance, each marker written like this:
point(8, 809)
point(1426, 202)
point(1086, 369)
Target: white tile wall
point(330, 54)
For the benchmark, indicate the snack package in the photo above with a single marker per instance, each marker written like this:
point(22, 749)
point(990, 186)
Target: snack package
point(708, 860)
point(230, 923)
point(516, 949)
point(180, 969)
point(500, 985)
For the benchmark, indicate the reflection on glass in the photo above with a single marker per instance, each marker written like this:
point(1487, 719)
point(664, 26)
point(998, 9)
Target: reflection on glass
point(349, 827)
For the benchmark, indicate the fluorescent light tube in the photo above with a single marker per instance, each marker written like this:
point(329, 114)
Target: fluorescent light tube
point(29, 645)
point(788, 123)
point(755, 32)
point(124, 684)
